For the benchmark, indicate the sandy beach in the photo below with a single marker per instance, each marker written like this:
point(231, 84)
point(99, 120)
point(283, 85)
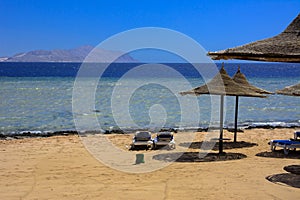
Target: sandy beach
point(60, 167)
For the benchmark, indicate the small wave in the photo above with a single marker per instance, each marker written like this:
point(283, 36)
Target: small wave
point(272, 124)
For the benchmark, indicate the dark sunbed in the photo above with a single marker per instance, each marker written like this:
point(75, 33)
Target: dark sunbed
point(291, 144)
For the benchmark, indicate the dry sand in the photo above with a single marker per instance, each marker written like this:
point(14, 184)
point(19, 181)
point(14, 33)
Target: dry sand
point(60, 167)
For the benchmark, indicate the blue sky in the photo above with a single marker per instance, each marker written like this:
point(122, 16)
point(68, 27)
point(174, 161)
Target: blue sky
point(41, 24)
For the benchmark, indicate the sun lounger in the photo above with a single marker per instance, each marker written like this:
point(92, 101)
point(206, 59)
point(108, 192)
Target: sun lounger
point(142, 139)
point(292, 143)
point(285, 144)
point(165, 139)
point(297, 135)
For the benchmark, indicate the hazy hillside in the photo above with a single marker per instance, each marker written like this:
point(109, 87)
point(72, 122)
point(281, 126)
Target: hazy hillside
point(70, 55)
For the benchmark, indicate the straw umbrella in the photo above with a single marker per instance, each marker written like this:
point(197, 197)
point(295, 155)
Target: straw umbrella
point(284, 47)
point(222, 85)
point(241, 79)
point(293, 90)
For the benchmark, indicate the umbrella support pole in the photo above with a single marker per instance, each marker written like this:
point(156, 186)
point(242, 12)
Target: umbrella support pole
point(236, 117)
point(221, 125)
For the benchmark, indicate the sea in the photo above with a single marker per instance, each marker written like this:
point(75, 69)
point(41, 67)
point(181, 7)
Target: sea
point(39, 97)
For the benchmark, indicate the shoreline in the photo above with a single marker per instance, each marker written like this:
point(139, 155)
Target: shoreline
point(33, 134)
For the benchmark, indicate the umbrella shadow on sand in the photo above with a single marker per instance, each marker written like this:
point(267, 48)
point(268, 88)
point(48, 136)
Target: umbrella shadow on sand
point(226, 145)
point(288, 179)
point(194, 157)
point(279, 154)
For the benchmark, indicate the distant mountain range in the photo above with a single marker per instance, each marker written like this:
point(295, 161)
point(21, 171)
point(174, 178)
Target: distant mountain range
point(70, 55)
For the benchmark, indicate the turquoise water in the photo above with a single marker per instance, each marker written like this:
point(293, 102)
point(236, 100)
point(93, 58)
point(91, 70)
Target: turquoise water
point(45, 103)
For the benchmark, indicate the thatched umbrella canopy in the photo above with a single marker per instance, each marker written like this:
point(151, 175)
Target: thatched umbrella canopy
point(293, 90)
point(241, 79)
point(222, 85)
point(284, 47)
